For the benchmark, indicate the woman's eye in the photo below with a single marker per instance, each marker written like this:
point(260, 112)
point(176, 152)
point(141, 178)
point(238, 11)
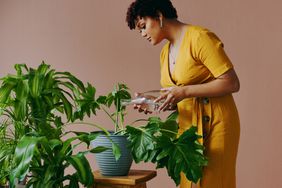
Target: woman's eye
point(142, 28)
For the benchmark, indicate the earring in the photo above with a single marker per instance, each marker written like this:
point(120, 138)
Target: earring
point(161, 23)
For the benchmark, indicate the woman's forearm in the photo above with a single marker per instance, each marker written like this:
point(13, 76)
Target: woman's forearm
point(225, 84)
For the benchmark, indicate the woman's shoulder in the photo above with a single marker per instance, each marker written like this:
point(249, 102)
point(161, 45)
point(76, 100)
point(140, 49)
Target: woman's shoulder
point(200, 33)
point(197, 30)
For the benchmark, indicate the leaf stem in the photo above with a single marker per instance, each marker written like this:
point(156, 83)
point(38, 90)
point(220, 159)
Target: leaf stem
point(121, 120)
point(108, 114)
point(168, 131)
point(138, 121)
point(73, 148)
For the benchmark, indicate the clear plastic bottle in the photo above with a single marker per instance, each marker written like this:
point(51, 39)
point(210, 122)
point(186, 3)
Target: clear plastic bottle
point(150, 104)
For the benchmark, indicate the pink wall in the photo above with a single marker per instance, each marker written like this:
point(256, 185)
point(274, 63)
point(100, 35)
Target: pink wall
point(90, 39)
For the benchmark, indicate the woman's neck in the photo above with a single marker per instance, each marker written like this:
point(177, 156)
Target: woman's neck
point(173, 31)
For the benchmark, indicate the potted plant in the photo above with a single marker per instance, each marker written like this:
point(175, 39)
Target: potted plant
point(153, 140)
point(118, 161)
point(36, 105)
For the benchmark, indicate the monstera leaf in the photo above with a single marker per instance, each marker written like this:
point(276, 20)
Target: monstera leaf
point(142, 141)
point(157, 142)
point(184, 154)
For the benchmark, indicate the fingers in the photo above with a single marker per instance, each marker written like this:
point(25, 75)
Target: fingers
point(168, 98)
point(160, 98)
point(169, 102)
point(164, 95)
point(141, 109)
point(147, 111)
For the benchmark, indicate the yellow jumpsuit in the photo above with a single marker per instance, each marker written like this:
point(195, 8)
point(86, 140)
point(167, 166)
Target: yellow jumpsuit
point(201, 59)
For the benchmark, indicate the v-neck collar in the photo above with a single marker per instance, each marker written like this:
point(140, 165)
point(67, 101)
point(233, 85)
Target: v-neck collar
point(171, 74)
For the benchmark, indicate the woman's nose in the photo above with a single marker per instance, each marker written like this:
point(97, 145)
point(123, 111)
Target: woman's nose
point(143, 34)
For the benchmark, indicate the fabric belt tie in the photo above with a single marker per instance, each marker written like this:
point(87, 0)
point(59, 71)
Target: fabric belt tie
point(201, 106)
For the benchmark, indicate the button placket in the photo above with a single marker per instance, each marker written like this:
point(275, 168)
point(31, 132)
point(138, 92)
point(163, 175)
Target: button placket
point(205, 100)
point(206, 119)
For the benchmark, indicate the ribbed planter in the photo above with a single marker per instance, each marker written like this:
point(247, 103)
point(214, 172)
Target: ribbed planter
point(106, 160)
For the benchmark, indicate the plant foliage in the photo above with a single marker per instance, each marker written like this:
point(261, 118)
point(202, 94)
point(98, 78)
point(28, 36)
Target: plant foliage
point(36, 105)
point(157, 142)
point(115, 97)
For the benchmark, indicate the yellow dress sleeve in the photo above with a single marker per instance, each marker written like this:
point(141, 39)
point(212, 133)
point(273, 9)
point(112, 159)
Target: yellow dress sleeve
point(209, 50)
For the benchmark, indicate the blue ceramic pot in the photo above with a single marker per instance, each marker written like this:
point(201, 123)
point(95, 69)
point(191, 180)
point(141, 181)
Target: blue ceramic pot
point(106, 160)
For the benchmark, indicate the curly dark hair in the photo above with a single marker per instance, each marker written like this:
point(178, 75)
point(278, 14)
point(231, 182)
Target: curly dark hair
point(149, 8)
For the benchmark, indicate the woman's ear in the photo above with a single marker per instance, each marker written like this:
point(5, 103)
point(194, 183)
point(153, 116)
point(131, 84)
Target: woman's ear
point(160, 15)
point(160, 18)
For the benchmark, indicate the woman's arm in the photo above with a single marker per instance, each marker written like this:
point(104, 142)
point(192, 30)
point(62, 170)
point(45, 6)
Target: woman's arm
point(222, 85)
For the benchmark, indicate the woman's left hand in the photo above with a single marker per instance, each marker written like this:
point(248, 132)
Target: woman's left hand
point(171, 97)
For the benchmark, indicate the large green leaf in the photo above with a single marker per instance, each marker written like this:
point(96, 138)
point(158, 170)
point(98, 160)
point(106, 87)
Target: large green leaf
point(169, 128)
point(120, 92)
point(102, 100)
point(49, 80)
point(35, 83)
point(20, 104)
point(47, 147)
point(142, 141)
point(67, 107)
point(116, 151)
point(173, 116)
point(5, 91)
point(66, 149)
point(183, 155)
point(23, 156)
point(83, 169)
point(72, 78)
point(86, 137)
point(73, 182)
point(54, 143)
point(19, 67)
point(99, 149)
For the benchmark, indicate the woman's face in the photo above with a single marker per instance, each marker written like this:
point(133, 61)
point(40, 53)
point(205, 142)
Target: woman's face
point(150, 29)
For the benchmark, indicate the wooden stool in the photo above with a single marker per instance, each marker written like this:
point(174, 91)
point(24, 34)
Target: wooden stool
point(135, 179)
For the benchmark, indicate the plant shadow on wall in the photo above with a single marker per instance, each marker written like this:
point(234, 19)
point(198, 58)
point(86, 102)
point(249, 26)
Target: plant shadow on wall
point(34, 104)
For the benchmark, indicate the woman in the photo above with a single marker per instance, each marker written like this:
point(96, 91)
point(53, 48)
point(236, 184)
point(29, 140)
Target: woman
point(199, 79)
